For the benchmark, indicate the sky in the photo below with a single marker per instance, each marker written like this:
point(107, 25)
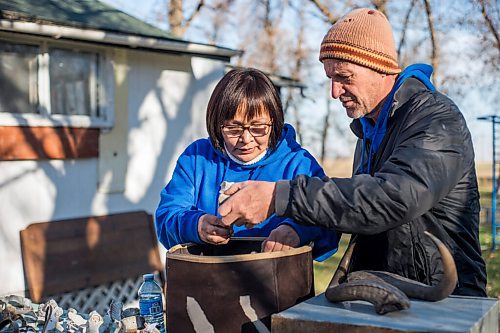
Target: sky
point(143, 9)
point(472, 107)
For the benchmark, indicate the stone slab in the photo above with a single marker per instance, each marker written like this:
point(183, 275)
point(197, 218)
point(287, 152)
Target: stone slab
point(455, 314)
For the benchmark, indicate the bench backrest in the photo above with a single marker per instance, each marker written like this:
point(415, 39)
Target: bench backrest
point(66, 255)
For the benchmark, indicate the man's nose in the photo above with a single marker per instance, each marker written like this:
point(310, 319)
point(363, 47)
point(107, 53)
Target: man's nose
point(337, 89)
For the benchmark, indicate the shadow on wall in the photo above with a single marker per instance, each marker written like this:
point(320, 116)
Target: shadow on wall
point(176, 132)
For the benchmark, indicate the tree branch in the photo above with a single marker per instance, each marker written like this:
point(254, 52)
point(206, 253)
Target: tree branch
point(175, 17)
point(188, 21)
point(324, 132)
point(300, 56)
point(489, 22)
point(435, 50)
point(380, 5)
point(405, 27)
point(270, 31)
point(328, 14)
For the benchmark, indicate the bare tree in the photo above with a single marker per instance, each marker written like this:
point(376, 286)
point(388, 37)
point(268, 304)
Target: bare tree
point(325, 11)
point(179, 25)
point(298, 56)
point(434, 43)
point(326, 126)
point(270, 41)
point(275, 44)
point(405, 27)
point(220, 10)
point(489, 23)
point(262, 39)
point(380, 5)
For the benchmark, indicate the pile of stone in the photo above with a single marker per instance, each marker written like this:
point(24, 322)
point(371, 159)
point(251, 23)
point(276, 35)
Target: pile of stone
point(19, 314)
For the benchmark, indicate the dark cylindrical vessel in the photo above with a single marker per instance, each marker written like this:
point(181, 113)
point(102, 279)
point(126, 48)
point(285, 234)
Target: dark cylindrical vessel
point(234, 287)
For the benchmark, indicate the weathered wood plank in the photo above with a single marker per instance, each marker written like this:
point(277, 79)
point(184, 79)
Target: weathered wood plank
point(44, 142)
point(66, 255)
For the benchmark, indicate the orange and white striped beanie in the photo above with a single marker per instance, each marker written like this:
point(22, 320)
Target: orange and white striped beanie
point(364, 37)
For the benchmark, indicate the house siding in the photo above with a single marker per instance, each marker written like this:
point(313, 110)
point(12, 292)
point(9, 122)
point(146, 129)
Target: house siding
point(165, 98)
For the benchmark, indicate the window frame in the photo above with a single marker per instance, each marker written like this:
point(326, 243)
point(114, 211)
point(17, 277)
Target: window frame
point(102, 94)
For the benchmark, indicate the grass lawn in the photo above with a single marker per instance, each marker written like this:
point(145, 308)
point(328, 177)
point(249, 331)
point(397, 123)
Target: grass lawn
point(492, 261)
point(323, 271)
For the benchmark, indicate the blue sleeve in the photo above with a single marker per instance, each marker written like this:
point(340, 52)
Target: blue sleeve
point(325, 241)
point(177, 216)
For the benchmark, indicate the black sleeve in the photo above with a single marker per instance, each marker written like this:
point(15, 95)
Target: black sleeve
point(424, 166)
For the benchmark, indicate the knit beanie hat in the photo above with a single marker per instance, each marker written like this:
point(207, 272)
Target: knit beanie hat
point(364, 37)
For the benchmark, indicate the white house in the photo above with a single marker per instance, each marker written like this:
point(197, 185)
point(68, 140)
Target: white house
point(95, 107)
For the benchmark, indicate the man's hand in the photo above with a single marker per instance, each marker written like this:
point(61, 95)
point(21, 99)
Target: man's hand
point(250, 203)
point(211, 230)
point(282, 238)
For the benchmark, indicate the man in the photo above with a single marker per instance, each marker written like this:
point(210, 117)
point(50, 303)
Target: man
point(413, 167)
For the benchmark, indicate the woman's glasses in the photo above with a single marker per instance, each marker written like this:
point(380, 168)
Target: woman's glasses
point(256, 130)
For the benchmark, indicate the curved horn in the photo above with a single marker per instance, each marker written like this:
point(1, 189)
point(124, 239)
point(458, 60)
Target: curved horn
point(366, 287)
point(341, 272)
point(422, 291)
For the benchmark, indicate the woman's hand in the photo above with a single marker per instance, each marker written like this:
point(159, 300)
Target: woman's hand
point(282, 238)
point(212, 231)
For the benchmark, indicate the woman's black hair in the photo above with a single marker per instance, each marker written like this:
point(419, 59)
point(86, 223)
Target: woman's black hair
point(248, 89)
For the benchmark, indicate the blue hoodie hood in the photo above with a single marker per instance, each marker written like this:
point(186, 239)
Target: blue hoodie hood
point(376, 132)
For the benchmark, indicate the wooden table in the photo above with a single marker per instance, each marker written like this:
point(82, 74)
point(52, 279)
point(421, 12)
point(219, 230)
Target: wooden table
point(454, 314)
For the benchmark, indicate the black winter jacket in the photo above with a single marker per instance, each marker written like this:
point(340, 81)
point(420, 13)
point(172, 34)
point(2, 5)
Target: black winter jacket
point(423, 178)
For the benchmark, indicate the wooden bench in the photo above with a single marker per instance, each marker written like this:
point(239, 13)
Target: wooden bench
point(83, 263)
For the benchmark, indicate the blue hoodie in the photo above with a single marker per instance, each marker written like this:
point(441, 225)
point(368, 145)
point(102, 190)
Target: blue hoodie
point(194, 190)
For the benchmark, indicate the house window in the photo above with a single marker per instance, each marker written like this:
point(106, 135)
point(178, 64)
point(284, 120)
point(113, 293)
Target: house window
point(18, 78)
point(72, 82)
point(46, 83)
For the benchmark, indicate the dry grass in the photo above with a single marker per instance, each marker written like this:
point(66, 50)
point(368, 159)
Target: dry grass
point(341, 167)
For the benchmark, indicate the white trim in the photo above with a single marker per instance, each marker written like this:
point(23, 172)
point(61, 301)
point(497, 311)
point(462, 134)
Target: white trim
point(38, 120)
point(93, 90)
point(100, 36)
point(106, 90)
point(43, 80)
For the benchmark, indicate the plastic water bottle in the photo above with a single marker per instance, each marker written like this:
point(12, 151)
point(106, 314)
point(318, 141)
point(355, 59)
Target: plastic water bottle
point(151, 303)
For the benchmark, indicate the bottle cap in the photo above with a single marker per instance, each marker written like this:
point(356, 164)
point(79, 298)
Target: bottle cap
point(148, 276)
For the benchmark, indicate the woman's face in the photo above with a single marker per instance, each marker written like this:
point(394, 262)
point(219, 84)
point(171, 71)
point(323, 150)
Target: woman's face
point(246, 139)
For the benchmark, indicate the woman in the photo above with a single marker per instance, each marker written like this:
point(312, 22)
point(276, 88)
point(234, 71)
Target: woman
point(248, 140)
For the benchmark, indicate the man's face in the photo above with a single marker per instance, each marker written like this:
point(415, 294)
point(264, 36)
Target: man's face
point(359, 88)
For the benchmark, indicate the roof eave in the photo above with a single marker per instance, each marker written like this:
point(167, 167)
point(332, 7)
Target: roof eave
point(118, 39)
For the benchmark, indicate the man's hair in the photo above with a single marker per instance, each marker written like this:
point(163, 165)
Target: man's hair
point(247, 89)
point(363, 37)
